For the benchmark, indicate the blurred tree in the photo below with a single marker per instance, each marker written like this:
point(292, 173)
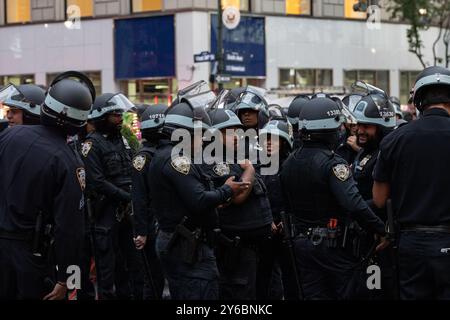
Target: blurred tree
point(128, 133)
point(423, 14)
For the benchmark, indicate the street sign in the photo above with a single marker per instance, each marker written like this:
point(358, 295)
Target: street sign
point(222, 78)
point(205, 56)
point(231, 17)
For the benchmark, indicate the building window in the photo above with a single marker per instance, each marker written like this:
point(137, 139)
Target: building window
point(146, 5)
point(150, 91)
point(95, 77)
point(18, 11)
point(306, 78)
point(378, 78)
point(17, 79)
point(352, 14)
point(298, 7)
point(86, 7)
point(407, 80)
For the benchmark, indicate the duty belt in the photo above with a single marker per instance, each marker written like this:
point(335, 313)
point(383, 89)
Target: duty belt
point(422, 228)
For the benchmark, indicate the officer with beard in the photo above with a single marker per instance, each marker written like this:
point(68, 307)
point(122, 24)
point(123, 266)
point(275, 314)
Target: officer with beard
point(322, 197)
point(375, 116)
point(107, 157)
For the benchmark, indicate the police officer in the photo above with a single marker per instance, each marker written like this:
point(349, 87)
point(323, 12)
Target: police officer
point(293, 112)
point(152, 122)
point(277, 269)
point(107, 157)
point(412, 170)
point(322, 196)
point(184, 204)
point(375, 115)
point(41, 198)
point(245, 222)
point(252, 110)
point(348, 147)
point(23, 102)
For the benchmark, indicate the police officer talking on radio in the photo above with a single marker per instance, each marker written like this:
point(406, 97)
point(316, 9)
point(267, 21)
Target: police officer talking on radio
point(41, 194)
point(184, 204)
point(107, 157)
point(412, 170)
point(323, 199)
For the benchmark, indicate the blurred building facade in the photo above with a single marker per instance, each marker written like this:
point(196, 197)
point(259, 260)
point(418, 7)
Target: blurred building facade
point(146, 48)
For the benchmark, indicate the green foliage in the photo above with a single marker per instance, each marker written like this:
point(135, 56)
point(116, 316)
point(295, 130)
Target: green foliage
point(128, 133)
point(421, 15)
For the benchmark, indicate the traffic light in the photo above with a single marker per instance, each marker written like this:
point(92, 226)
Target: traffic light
point(361, 6)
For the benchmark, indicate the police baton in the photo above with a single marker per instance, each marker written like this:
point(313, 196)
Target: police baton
point(147, 269)
point(92, 241)
point(289, 237)
point(392, 237)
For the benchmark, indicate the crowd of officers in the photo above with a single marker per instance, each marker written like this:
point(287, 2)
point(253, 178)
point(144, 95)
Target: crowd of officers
point(357, 186)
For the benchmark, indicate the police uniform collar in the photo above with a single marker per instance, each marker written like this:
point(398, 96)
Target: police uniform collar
point(436, 112)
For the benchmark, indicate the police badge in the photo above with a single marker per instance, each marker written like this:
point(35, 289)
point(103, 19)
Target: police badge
point(341, 171)
point(221, 169)
point(365, 160)
point(81, 175)
point(139, 162)
point(181, 164)
point(85, 148)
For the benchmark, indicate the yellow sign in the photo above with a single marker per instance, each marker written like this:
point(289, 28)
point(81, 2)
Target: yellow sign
point(298, 7)
point(231, 3)
point(147, 5)
point(86, 7)
point(352, 14)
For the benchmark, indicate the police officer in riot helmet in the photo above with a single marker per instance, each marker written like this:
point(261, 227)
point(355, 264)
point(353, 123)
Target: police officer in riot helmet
point(321, 195)
point(348, 147)
point(293, 112)
point(275, 273)
point(375, 116)
point(245, 222)
point(41, 203)
point(107, 157)
point(411, 170)
point(152, 122)
point(23, 102)
point(184, 203)
point(252, 109)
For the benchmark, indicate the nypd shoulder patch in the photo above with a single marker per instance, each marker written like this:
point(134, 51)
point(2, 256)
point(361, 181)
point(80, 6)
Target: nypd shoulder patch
point(139, 162)
point(81, 176)
point(85, 148)
point(341, 171)
point(181, 164)
point(221, 169)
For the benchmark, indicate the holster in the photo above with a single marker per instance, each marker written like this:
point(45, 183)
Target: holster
point(42, 241)
point(184, 243)
point(229, 251)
